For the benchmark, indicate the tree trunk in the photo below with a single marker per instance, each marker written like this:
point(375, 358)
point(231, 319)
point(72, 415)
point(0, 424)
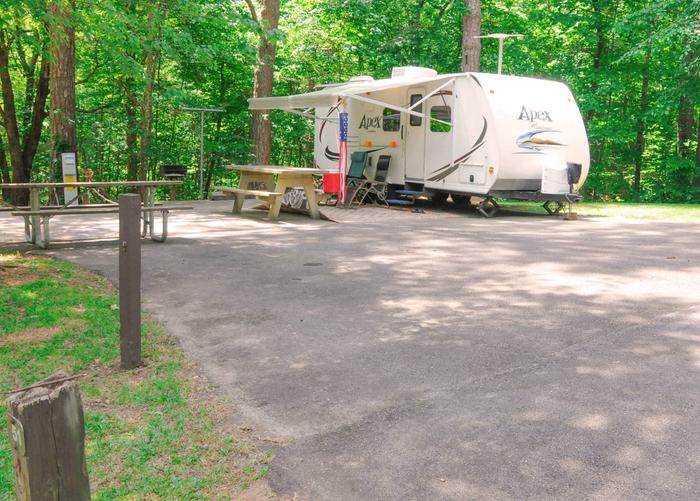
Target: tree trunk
point(147, 114)
point(471, 47)
point(600, 51)
point(262, 87)
point(21, 150)
point(639, 143)
point(29, 65)
point(696, 181)
point(19, 197)
point(151, 66)
point(62, 82)
point(685, 126)
point(4, 171)
point(132, 160)
point(33, 135)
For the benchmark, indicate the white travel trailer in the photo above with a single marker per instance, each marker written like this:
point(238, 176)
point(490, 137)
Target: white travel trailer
point(493, 136)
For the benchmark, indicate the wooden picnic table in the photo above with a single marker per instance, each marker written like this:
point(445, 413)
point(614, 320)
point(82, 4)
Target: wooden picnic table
point(287, 177)
point(34, 216)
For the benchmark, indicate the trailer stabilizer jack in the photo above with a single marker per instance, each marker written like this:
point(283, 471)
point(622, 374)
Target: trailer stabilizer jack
point(552, 211)
point(488, 207)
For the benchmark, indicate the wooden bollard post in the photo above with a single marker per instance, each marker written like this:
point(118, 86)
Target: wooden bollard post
point(47, 435)
point(130, 279)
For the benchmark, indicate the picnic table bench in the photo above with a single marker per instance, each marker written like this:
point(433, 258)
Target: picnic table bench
point(36, 217)
point(287, 177)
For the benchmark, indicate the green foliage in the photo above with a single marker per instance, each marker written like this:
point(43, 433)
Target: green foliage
point(150, 433)
point(207, 58)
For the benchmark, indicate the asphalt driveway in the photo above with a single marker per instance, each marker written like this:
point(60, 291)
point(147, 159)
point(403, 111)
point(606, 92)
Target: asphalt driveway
point(433, 356)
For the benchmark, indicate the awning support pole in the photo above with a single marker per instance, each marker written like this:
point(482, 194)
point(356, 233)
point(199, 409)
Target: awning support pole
point(395, 108)
point(428, 96)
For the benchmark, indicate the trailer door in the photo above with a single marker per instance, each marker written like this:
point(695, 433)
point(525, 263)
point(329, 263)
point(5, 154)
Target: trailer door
point(439, 133)
point(414, 138)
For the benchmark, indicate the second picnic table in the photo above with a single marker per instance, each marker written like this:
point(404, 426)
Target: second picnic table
point(287, 177)
point(36, 214)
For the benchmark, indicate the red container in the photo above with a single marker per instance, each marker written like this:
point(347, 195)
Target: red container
point(331, 182)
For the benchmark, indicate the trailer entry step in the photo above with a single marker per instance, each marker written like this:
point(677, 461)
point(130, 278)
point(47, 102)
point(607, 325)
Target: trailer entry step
point(396, 201)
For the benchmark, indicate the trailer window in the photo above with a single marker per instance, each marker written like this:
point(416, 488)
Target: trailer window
point(391, 121)
point(414, 120)
point(443, 113)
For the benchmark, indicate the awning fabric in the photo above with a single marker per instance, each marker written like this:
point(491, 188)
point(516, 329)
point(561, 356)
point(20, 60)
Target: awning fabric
point(329, 96)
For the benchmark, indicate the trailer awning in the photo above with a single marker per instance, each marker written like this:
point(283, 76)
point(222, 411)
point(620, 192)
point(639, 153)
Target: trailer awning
point(330, 96)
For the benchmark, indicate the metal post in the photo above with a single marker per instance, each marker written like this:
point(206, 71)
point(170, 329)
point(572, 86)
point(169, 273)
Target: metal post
point(34, 206)
point(500, 55)
point(130, 280)
point(201, 155)
point(501, 37)
point(201, 112)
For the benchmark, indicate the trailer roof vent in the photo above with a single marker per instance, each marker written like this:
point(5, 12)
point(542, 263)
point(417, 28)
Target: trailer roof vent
point(362, 78)
point(412, 72)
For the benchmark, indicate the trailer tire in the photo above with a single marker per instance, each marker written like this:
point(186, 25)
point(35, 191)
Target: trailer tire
point(461, 200)
point(439, 197)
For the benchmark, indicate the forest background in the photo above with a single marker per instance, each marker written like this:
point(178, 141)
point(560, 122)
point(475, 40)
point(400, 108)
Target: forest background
point(109, 79)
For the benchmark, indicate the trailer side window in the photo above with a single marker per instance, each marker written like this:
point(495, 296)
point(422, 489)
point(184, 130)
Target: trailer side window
point(414, 120)
point(391, 120)
point(443, 113)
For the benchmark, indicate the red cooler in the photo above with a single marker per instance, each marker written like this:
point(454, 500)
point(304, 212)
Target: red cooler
point(331, 182)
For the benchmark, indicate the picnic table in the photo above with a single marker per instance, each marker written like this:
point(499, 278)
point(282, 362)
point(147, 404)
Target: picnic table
point(36, 217)
point(287, 177)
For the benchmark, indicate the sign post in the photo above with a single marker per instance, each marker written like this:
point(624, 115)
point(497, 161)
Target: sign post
point(70, 175)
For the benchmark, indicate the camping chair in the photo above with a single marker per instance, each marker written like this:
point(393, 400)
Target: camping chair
point(355, 177)
point(375, 188)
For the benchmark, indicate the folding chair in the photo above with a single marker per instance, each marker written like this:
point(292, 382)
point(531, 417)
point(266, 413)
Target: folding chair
point(355, 177)
point(375, 188)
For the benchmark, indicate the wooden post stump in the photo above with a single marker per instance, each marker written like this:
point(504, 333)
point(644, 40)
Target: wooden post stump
point(47, 435)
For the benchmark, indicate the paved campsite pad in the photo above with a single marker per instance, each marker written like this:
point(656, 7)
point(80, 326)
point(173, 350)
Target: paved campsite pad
point(406, 356)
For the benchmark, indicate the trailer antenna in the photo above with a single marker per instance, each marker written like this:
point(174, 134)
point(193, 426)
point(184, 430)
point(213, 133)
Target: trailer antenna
point(501, 37)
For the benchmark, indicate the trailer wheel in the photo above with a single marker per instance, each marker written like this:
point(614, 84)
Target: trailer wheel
point(439, 197)
point(461, 200)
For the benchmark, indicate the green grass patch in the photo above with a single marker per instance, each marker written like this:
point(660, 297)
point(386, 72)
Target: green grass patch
point(157, 432)
point(663, 212)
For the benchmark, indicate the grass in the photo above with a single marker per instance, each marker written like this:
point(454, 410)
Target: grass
point(667, 212)
point(154, 433)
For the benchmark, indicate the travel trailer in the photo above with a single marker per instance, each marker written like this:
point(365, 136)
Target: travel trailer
point(465, 134)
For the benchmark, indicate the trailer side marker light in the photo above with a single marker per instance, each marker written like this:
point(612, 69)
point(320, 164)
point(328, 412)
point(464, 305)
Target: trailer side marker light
point(392, 144)
point(491, 169)
point(368, 143)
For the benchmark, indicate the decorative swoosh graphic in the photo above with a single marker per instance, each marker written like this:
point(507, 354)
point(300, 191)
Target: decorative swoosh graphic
point(448, 169)
point(529, 141)
point(330, 155)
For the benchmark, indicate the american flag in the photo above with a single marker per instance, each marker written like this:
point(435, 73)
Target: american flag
point(343, 150)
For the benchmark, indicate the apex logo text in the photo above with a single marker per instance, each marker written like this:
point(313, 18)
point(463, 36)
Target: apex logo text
point(535, 115)
point(370, 122)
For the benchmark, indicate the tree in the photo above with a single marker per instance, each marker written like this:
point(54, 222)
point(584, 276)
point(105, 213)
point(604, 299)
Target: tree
point(643, 108)
point(22, 147)
point(471, 46)
point(156, 14)
point(62, 82)
point(267, 22)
